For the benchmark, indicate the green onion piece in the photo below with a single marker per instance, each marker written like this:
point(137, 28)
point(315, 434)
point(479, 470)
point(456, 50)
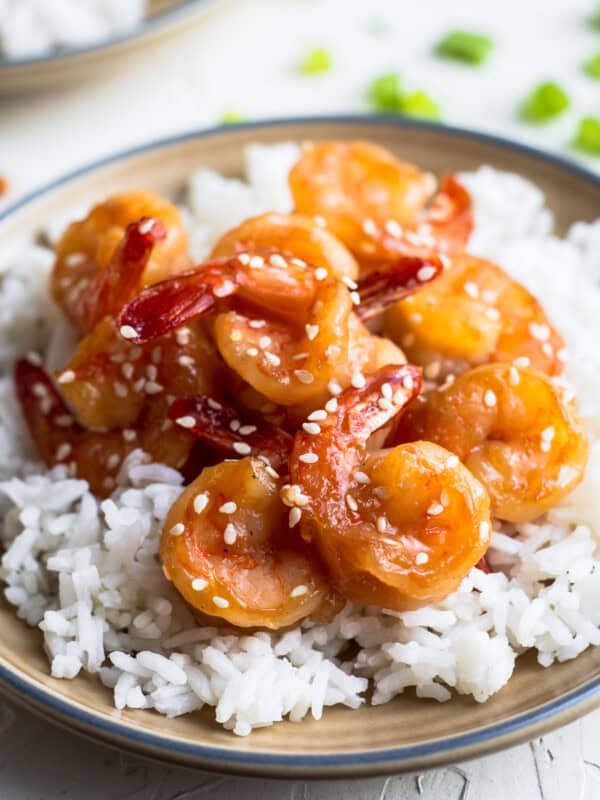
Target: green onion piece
point(316, 62)
point(587, 138)
point(546, 101)
point(231, 117)
point(472, 48)
point(420, 104)
point(595, 19)
point(592, 66)
point(385, 93)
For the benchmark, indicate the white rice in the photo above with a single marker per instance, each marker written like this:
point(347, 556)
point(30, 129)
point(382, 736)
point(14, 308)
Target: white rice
point(87, 574)
point(33, 28)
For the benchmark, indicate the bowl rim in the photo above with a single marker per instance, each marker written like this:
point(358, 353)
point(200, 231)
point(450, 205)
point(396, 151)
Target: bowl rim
point(148, 26)
point(508, 732)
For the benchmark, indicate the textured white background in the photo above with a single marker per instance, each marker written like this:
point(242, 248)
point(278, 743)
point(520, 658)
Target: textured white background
point(244, 60)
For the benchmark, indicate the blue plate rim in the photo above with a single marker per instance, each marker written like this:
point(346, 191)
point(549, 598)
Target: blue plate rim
point(518, 727)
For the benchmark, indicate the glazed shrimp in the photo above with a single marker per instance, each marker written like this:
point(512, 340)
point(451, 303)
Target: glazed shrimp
point(285, 329)
point(228, 550)
point(515, 431)
point(474, 314)
point(87, 248)
point(294, 235)
point(376, 204)
point(398, 528)
point(93, 456)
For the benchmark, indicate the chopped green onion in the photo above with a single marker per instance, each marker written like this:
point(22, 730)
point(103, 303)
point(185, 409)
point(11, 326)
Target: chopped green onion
point(595, 19)
point(587, 138)
point(592, 66)
point(316, 62)
point(419, 104)
point(231, 117)
point(472, 48)
point(385, 93)
point(546, 101)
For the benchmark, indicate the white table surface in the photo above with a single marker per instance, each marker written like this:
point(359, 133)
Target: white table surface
point(244, 59)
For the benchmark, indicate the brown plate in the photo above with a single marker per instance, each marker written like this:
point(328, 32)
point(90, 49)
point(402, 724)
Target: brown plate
point(163, 17)
point(406, 734)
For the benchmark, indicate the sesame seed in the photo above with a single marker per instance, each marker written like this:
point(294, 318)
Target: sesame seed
point(235, 425)
point(386, 391)
point(256, 262)
point(224, 289)
point(244, 259)
point(182, 336)
point(309, 458)
point(317, 416)
point(277, 261)
point(127, 370)
point(349, 282)
point(129, 435)
point(272, 472)
point(312, 331)
point(186, 361)
point(68, 376)
point(492, 313)
point(75, 259)
point(242, 448)
point(484, 531)
point(358, 381)
point(452, 461)
point(472, 289)
point(522, 361)
point(369, 227)
point(186, 422)
point(127, 332)
point(355, 297)
point(334, 387)
point(34, 358)
point(319, 220)
point(236, 335)
point(321, 273)
point(135, 353)
point(539, 332)
point(246, 430)
point(421, 558)
point(272, 359)
point(548, 433)
point(331, 405)
point(252, 351)
point(351, 503)
point(177, 529)
point(113, 460)
point(547, 349)
point(304, 376)
point(147, 225)
point(152, 387)
point(385, 404)
point(393, 228)
point(562, 354)
point(381, 492)
point(489, 398)
point(361, 477)
point(291, 495)
point(108, 483)
point(312, 428)
point(230, 534)
point(257, 323)
point(120, 389)
point(220, 602)
point(200, 502)
point(432, 370)
point(214, 404)
point(299, 590)
point(444, 498)
point(426, 273)
point(513, 376)
point(63, 450)
point(264, 342)
point(228, 508)
point(435, 509)
point(298, 262)
point(151, 371)
point(382, 523)
point(64, 420)
point(156, 355)
point(294, 517)
point(545, 446)
point(199, 584)
point(407, 382)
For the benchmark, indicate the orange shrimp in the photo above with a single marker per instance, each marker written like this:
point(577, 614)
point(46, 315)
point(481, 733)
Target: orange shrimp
point(86, 250)
point(398, 528)
point(285, 329)
point(227, 548)
point(473, 314)
point(94, 456)
point(377, 205)
point(515, 431)
point(294, 235)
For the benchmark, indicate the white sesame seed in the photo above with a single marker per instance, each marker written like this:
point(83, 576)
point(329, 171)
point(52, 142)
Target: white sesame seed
point(358, 381)
point(135, 353)
point(252, 351)
point(272, 472)
point(320, 221)
point(547, 349)
point(548, 433)
point(224, 289)
point(312, 428)
point(562, 354)
point(317, 416)
point(309, 458)
point(182, 336)
point(312, 331)
point(151, 371)
point(156, 354)
point(68, 376)
point(256, 262)
point(277, 261)
point(351, 503)
point(472, 289)
point(242, 448)
point(186, 361)
point(220, 602)
point(63, 450)
point(489, 398)
point(321, 273)
point(484, 531)
point(113, 460)
point(294, 517)
point(200, 502)
point(64, 420)
point(299, 590)
point(257, 323)
point(127, 370)
point(444, 498)
point(244, 259)
point(385, 404)
point(426, 273)
point(334, 387)
point(331, 406)
point(361, 477)
point(393, 228)
point(298, 262)
point(492, 313)
point(349, 282)
point(228, 508)
point(236, 335)
point(186, 422)
point(304, 376)
point(513, 376)
point(369, 227)
point(177, 529)
point(120, 389)
point(75, 259)
point(108, 483)
point(127, 332)
point(407, 382)
point(272, 359)
point(435, 509)
point(355, 297)
point(382, 523)
point(146, 226)
point(199, 584)
point(386, 391)
point(539, 332)
point(522, 361)
point(432, 370)
point(421, 558)
point(264, 342)
point(381, 492)
point(246, 430)
point(129, 435)
point(452, 461)
point(230, 534)
point(291, 495)
point(152, 387)
point(235, 425)
point(545, 446)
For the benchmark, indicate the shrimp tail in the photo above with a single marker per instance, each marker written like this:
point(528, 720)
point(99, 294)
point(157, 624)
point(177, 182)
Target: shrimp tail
point(219, 426)
point(47, 416)
point(120, 281)
point(451, 212)
point(383, 288)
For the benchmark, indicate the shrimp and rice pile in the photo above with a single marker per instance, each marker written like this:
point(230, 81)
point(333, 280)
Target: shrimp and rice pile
point(305, 443)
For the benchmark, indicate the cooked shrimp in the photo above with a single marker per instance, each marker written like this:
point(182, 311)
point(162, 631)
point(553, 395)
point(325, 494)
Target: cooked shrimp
point(87, 248)
point(513, 428)
point(227, 548)
point(93, 456)
point(376, 204)
point(398, 528)
point(294, 235)
point(473, 314)
point(283, 328)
